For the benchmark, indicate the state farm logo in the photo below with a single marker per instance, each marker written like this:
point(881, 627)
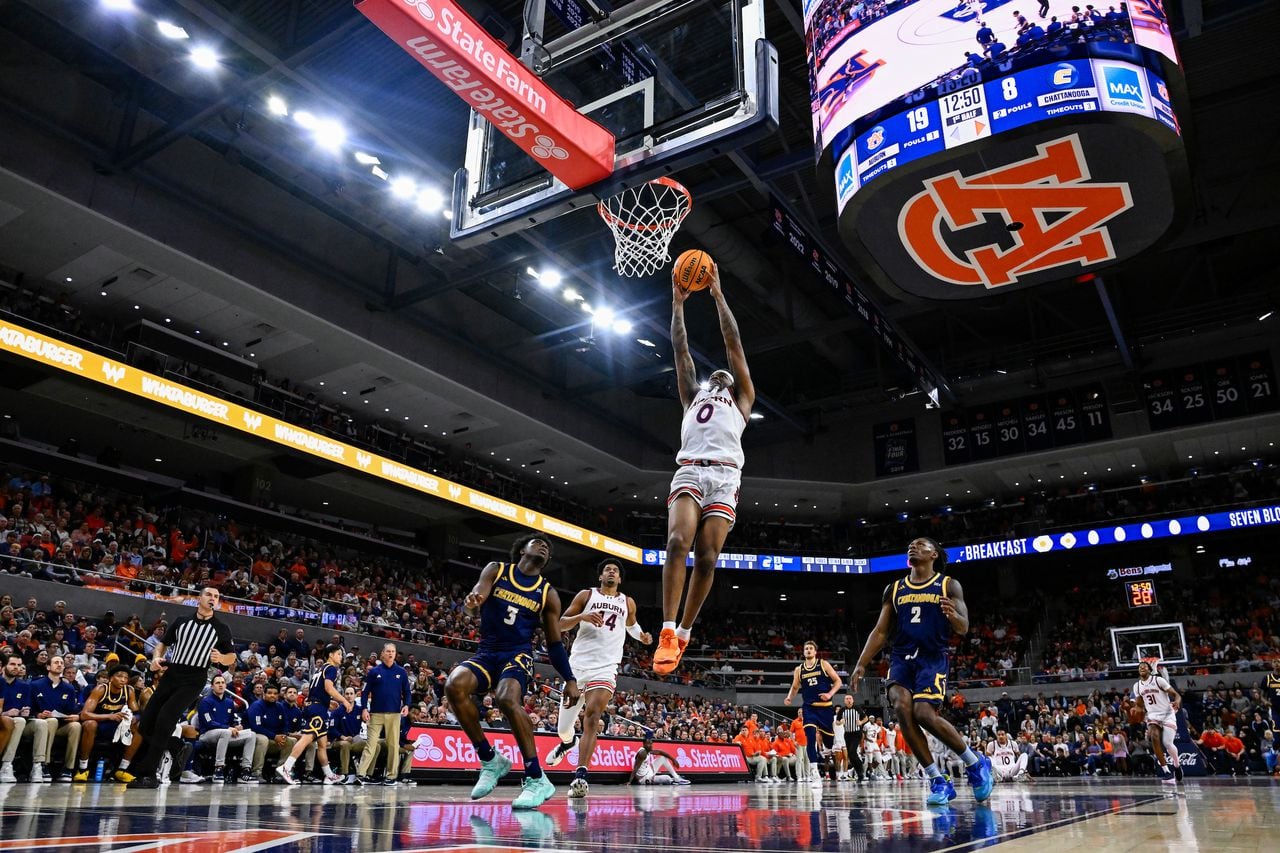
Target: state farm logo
point(252, 421)
point(364, 460)
point(425, 749)
point(113, 372)
point(424, 9)
point(455, 492)
point(1055, 217)
point(546, 148)
point(682, 758)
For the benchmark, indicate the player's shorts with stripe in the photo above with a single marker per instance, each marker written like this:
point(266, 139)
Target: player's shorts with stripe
point(925, 676)
point(492, 667)
point(1168, 720)
point(821, 717)
point(315, 720)
point(714, 487)
point(596, 678)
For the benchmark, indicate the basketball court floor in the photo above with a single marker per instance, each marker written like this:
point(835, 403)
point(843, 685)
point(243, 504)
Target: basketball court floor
point(1045, 816)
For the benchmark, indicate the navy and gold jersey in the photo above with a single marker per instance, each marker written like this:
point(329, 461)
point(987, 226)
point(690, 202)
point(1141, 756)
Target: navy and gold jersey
point(316, 694)
point(1272, 691)
point(814, 682)
point(112, 702)
point(917, 608)
point(513, 610)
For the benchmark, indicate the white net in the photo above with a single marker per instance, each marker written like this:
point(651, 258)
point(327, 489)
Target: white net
point(643, 221)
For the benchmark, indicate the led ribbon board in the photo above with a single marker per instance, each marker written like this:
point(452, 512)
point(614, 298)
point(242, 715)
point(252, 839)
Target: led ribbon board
point(1045, 543)
point(41, 349)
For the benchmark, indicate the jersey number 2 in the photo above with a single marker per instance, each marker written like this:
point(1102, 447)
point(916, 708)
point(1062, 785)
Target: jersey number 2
point(915, 615)
point(512, 613)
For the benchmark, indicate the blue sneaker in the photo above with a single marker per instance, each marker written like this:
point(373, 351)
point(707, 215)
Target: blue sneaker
point(941, 791)
point(984, 823)
point(981, 779)
point(535, 793)
point(943, 820)
point(490, 772)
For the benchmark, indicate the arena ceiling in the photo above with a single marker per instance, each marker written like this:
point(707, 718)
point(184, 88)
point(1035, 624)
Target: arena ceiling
point(464, 338)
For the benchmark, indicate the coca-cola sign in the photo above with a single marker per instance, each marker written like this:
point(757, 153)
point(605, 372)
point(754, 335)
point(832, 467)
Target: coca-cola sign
point(440, 748)
point(462, 55)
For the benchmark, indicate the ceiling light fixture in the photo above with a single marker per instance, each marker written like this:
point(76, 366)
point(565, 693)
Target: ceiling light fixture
point(205, 58)
point(276, 106)
point(430, 200)
point(172, 31)
point(367, 159)
point(403, 188)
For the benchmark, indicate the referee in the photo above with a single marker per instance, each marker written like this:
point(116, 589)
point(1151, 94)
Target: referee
point(852, 724)
point(192, 644)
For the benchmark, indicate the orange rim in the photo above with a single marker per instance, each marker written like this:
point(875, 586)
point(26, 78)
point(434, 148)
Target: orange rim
point(671, 183)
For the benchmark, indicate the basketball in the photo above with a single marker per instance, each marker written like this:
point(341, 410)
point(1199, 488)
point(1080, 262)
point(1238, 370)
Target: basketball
point(692, 270)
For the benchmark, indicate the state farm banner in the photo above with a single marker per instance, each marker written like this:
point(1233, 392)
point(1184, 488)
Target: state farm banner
point(462, 55)
point(448, 748)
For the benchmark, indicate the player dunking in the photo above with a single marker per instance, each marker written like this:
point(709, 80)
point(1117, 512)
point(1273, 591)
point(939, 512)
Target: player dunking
point(604, 617)
point(703, 503)
point(817, 682)
point(513, 598)
point(1161, 703)
point(923, 610)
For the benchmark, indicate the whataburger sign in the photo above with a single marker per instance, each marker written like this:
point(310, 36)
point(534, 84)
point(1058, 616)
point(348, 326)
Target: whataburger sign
point(39, 348)
point(462, 55)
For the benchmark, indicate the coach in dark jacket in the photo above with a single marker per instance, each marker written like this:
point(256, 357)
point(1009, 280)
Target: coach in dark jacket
point(386, 699)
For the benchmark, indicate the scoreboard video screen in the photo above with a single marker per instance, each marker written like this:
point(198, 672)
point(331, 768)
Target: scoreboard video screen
point(866, 54)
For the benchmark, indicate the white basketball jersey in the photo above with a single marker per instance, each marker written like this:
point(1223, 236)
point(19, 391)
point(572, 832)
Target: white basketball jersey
point(1155, 699)
point(594, 647)
point(1006, 755)
point(871, 735)
point(712, 428)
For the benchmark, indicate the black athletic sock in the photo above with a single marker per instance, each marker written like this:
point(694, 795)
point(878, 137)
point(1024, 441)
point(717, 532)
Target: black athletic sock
point(484, 751)
point(581, 773)
point(532, 768)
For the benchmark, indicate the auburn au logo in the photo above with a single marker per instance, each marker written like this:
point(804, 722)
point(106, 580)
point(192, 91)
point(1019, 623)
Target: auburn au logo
point(1062, 217)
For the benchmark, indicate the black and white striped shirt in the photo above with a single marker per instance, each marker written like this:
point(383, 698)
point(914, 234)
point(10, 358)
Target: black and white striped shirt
point(849, 720)
point(190, 639)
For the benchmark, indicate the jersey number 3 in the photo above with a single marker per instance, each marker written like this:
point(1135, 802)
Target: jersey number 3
point(512, 613)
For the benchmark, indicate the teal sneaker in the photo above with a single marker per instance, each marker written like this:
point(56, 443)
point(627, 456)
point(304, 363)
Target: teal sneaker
point(535, 793)
point(490, 772)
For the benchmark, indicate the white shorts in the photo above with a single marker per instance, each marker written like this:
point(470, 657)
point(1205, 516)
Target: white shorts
point(714, 487)
point(596, 678)
point(1164, 720)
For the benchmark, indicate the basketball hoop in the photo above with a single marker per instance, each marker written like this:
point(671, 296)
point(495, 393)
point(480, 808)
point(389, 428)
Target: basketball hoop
point(643, 221)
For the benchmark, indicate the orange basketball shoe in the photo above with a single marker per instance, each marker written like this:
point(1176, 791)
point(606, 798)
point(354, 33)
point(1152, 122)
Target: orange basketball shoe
point(670, 650)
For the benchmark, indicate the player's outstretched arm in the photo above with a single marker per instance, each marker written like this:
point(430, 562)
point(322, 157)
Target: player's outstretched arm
point(484, 586)
point(795, 686)
point(744, 390)
point(875, 640)
point(555, 646)
point(573, 616)
point(633, 627)
point(686, 374)
point(954, 608)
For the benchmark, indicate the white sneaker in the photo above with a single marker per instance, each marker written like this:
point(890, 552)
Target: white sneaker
point(6, 773)
point(333, 778)
point(578, 789)
point(190, 778)
point(285, 774)
point(815, 776)
point(37, 771)
point(351, 779)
